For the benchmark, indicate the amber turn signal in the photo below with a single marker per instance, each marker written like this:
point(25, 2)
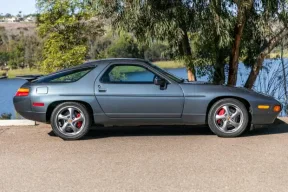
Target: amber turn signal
point(22, 92)
point(263, 106)
point(277, 108)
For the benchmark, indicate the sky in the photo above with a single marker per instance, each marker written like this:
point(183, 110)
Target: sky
point(14, 6)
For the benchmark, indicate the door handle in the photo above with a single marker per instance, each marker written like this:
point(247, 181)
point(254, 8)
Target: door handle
point(101, 89)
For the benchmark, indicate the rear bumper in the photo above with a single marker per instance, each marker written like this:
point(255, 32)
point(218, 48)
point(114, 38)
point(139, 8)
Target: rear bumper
point(34, 116)
point(23, 107)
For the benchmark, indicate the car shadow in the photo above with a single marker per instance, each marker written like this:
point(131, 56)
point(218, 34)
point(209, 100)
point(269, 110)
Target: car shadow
point(132, 131)
point(279, 127)
point(148, 131)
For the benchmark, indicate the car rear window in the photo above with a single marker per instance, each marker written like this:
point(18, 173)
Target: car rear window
point(65, 76)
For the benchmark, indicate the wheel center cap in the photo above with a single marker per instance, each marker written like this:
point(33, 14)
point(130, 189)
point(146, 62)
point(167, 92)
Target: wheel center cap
point(70, 120)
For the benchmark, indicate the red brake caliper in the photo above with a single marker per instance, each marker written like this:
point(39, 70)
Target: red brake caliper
point(79, 123)
point(220, 112)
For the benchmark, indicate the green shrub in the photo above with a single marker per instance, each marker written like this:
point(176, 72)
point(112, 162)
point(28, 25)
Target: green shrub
point(5, 116)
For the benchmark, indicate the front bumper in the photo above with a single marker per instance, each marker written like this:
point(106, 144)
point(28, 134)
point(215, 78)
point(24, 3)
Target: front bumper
point(264, 117)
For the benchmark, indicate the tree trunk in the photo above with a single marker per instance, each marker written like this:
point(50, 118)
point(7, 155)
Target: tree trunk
point(188, 54)
point(238, 31)
point(260, 59)
point(219, 75)
point(219, 72)
point(254, 71)
point(234, 58)
point(190, 74)
point(284, 74)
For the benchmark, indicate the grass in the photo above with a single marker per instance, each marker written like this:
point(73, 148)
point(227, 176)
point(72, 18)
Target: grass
point(162, 64)
point(277, 54)
point(16, 72)
point(169, 64)
point(26, 71)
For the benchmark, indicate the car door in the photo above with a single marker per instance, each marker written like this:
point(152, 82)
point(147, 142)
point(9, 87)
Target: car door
point(127, 91)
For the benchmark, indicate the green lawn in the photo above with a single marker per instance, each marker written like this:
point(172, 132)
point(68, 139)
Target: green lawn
point(17, 72)
point(169, 64)
point(26, 71)
point(162, 64)
point(277, 54)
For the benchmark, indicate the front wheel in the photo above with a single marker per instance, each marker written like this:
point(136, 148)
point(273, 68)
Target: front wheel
point(70, 120)
point(228, 118)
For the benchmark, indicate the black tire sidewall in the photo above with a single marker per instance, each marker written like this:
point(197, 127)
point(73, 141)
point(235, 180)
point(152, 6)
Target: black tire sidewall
point(213, 109)
point(84, 130)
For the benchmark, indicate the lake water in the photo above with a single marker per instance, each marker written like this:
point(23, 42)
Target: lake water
point(267, 82)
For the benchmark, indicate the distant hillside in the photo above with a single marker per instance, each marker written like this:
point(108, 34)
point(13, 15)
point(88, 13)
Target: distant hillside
point(15, 28)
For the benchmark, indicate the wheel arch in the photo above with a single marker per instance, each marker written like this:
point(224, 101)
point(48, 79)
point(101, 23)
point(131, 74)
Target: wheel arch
point(242, 100)
point(54, 104)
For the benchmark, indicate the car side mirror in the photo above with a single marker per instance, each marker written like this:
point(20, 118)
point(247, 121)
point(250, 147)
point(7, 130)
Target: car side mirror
point(159, 81)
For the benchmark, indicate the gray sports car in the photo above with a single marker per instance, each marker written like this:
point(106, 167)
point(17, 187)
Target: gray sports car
point(116, 92)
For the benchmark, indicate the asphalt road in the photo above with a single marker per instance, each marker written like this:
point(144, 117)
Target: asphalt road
point(144, 159)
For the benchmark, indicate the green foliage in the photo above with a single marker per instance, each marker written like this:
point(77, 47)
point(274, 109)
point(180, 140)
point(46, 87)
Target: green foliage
point(5, 116)
point(75, 76)
point(125, 46)
point(63, 24)
point(16, 56)
point(19, 49)
point(150, 20)
point(57, 54)
point(258, 32)
point(157, 52)
point(118, 73)
point(4, 58)
point(211, 23)
point(62, 16)
point(199, 33)
point(32, 53)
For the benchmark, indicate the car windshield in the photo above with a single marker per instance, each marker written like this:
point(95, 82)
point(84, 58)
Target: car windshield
point(163, 71)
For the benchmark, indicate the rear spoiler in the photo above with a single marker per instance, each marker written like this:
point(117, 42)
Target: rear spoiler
point(29, 77)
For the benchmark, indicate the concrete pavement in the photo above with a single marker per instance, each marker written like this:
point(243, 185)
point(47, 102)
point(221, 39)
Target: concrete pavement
point(144, 159)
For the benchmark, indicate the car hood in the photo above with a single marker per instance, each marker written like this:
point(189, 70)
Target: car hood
point(205, 88)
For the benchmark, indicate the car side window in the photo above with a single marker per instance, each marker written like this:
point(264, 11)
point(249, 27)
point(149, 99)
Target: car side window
point(127, 74)
point(65, 76)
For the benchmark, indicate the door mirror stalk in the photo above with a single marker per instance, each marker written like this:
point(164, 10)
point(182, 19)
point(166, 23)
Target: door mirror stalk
point(161, 82)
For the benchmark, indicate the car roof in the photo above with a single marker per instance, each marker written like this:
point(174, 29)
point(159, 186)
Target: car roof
point(94, 63)
point(107, 61)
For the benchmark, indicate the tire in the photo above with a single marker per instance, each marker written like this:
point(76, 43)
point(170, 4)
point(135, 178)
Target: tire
point(70, 121)
point(228, 118)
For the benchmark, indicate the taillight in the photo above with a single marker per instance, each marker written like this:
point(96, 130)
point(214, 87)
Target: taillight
point(22, 92)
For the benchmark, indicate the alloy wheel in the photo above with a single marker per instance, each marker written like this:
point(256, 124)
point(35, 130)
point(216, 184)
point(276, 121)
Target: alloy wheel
point(70, 120)
point(228, 118)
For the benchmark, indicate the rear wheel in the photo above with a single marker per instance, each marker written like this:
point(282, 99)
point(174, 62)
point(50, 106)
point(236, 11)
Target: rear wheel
point(228, 118)
point(70, 120)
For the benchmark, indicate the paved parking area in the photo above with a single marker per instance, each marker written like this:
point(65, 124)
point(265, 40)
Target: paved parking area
point(144, 159)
